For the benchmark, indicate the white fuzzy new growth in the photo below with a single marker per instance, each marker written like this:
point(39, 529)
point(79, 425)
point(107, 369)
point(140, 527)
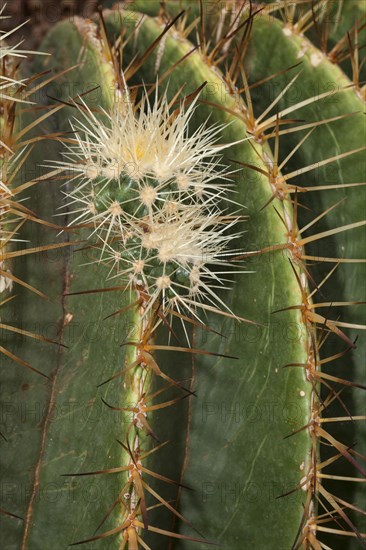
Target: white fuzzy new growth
point(148, 145)
point(168, 232)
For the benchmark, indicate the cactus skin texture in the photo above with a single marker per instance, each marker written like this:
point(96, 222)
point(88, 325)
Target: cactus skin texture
point(162, 426)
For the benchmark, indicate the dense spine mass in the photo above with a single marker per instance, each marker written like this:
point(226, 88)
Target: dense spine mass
point(151, 194)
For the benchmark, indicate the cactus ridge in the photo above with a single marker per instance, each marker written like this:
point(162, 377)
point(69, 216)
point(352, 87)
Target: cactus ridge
point(132, 496)
point(314, 523)
point(194, 160)
point(15, 149)
point(15, 146)
point(335, 28)
point(310, 318)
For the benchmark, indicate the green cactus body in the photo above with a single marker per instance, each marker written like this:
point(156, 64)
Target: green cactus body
point(150, 399)
point(44, 407)
point(240, 428)
point(341, 18)
point(328, 141)
point(84, 355)
point(337, 137)
point(22, 235)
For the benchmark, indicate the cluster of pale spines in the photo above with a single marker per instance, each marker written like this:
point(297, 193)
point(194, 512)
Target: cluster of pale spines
point(8, 88)
point(150, 192)
point(7, 54)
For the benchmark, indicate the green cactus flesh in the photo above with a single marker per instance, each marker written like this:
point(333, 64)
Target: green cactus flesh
point(313, 162)
point(164, 426)
point(335, 138)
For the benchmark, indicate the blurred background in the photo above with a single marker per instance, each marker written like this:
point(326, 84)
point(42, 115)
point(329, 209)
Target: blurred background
point(44, 14)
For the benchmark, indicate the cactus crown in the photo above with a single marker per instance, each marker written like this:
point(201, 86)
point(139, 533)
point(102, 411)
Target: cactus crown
point(151, 193)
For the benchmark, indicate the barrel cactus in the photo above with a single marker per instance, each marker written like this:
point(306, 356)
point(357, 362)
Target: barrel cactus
point(183, 234)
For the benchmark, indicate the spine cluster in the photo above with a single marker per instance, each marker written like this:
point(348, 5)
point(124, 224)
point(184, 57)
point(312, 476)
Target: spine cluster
point(153, 195)
point(9, 97)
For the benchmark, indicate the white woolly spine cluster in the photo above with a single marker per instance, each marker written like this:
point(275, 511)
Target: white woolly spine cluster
point(150, 191)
